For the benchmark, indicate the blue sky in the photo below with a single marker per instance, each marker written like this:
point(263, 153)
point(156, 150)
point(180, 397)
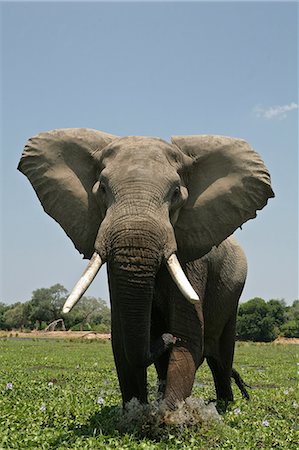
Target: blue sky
point(157, 69)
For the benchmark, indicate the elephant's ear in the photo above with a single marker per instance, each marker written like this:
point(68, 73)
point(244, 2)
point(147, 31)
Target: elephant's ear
point(61, 166)
point(228, 182)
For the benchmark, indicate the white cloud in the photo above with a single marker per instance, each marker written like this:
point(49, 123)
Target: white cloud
point(275, 112)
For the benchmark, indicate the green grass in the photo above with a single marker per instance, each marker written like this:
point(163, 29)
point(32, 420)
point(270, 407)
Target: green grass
point(65, 395)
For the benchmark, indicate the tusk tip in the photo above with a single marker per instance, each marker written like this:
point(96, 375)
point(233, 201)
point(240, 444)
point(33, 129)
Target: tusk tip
point(83, 284)
point(66, 309)
point(194, 299)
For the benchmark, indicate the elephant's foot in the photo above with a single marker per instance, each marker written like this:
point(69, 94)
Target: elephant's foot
point(221, 404)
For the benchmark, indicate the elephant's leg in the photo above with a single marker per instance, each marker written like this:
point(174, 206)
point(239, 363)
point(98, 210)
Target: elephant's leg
point(180, 376)
point(185, 322)
point(158, 327)
point(186, 355)
point(221, 366)
point(161, 365)
point(133, 378)
point(176, 372)
point(222, 380)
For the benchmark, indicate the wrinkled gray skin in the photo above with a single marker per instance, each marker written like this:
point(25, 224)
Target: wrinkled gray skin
point(142, 187)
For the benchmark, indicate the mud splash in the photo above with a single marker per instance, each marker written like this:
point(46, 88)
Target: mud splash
point(152, 419)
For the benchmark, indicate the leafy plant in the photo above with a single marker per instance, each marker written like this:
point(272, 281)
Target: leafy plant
point(64, 394)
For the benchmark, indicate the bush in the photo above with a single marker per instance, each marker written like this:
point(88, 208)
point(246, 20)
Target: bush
point(290, 329)
point(259, 321)
point(81, 327)
point(102, 328)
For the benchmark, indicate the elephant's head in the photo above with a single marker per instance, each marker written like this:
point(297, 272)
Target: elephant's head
point(135, 202)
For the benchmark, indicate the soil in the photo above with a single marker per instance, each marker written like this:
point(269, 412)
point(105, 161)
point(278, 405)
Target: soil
point(56, 334)
point(283, 340)
point(93, 335)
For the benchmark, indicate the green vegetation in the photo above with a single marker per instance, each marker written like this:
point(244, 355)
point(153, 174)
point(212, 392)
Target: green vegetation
point(258, 320)
point(45, 307)
point(63, 394)
point(262, 321)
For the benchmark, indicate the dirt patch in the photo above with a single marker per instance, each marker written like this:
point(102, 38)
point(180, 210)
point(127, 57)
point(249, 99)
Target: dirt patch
point(283, 340)
point(56, 335)
point(93, 335)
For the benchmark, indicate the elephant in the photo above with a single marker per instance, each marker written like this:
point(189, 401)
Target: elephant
point(161, 215)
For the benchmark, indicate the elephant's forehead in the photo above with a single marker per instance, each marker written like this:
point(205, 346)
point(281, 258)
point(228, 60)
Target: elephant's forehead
point(138, 149)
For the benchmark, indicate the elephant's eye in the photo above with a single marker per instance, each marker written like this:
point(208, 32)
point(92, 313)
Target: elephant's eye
point(176, 195)
point(102, 188)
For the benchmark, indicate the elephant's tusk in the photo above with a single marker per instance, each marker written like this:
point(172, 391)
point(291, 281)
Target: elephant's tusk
point(85, 281)
point(181, 280)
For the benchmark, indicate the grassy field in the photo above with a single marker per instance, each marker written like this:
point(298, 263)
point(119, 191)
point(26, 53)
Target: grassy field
point(63, 394)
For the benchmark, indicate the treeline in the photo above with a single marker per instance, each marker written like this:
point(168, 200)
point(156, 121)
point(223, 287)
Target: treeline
point(262, 321)
point(257, 320)
point(45, 307)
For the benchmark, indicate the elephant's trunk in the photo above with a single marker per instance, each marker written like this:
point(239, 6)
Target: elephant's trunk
point(135, 254)
point(96, 262)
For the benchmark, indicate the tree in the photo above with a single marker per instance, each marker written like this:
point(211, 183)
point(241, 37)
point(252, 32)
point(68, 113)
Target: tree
point(276, 309)
point(90, 310)
point(16, 317)
point(46, 304)
point(256, 321)
point(3, 309)
point(291, 326)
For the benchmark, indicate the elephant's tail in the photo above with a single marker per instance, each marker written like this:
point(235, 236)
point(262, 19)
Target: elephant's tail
point(241, 384)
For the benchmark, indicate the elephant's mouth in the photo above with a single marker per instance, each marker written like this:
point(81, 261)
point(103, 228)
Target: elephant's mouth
point(95, 264)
